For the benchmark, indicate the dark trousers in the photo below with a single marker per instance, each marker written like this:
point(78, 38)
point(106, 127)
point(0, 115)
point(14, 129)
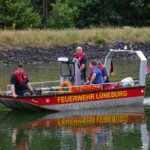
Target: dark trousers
point(83, 76)
point(22, 92)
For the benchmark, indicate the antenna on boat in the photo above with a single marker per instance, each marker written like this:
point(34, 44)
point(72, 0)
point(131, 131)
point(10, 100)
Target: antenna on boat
point(70, 59)
point(125, 47)
point(119, 44)
point(131, 47)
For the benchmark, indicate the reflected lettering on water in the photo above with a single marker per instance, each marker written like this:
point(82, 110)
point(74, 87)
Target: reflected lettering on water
point(86, 129)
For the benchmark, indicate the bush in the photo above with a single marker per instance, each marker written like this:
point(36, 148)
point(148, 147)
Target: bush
point(142, 42)
point(100, 41)
point(61, 16)
point(74, 43)
point(18, 14)
point(123, 42)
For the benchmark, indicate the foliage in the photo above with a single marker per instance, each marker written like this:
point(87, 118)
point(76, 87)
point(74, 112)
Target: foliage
point(61, 16)
point(116, 13)
point(95, 12)
point(74, 43)
point(100, 41)
point(18, 14)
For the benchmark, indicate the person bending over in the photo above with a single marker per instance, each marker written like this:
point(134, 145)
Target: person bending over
point(104, 72)
point(20, 83)
point(96, 74)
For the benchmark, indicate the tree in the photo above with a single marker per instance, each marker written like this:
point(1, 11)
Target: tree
point(129, 10)
point(94, 12)
point(19, 13)
point(42, 6)
point(62, 15)
point(108, 12)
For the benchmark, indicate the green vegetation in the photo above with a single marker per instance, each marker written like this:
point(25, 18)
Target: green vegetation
point(18, 15)
point(46, 38)
point(99, 41)
point(61, 14)
point(63, 22)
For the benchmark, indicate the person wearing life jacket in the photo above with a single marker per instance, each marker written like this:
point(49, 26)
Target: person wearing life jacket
point(20, 83)
point(80, 55)
point(104, 72)
point(95, 74)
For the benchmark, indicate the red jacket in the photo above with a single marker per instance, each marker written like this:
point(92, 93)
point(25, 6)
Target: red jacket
point(92, 70)
point(101, 68)
point(79, 57)
point(22, 78)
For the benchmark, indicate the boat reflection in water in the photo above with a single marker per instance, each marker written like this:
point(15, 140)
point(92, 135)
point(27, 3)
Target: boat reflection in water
point(116, 128)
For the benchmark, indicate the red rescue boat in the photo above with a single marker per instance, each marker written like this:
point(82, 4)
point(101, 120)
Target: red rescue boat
point(73, 95)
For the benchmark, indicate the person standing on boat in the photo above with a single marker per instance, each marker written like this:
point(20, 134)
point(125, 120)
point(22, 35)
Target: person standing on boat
point(104, 72)
point(95, 74)
point(20, 83)
point(80, 55)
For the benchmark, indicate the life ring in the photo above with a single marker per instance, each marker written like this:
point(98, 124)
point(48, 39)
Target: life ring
point(64, 84)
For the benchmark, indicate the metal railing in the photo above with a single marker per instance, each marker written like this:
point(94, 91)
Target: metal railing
point(33, 83)
point(62, 90)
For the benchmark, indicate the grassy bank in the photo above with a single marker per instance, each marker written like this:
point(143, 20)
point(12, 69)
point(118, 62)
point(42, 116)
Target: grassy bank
point(46, 38)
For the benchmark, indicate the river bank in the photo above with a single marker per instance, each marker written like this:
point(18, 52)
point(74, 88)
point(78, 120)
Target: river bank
point(30, 55)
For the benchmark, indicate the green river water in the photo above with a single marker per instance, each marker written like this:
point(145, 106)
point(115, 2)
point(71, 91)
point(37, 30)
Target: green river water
point(122, 128)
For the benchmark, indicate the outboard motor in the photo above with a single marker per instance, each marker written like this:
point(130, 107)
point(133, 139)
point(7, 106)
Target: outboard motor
point(69, 71)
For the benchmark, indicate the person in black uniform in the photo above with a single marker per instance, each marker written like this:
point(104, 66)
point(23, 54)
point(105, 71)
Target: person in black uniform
point(80, 55)
point(20, 83)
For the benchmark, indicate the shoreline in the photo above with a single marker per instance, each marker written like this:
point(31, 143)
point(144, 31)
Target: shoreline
point(33, 55)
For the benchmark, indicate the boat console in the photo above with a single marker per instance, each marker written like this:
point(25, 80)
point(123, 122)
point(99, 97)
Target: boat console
point(69, 71)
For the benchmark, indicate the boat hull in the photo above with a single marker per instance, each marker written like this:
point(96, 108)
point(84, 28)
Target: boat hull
point(77, 101)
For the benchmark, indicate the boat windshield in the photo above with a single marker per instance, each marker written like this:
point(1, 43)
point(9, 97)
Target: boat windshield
point(67, 69)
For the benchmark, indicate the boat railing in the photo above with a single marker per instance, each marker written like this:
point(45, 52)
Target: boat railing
point(61, 90)
point(103, 86)
point(42, 83)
